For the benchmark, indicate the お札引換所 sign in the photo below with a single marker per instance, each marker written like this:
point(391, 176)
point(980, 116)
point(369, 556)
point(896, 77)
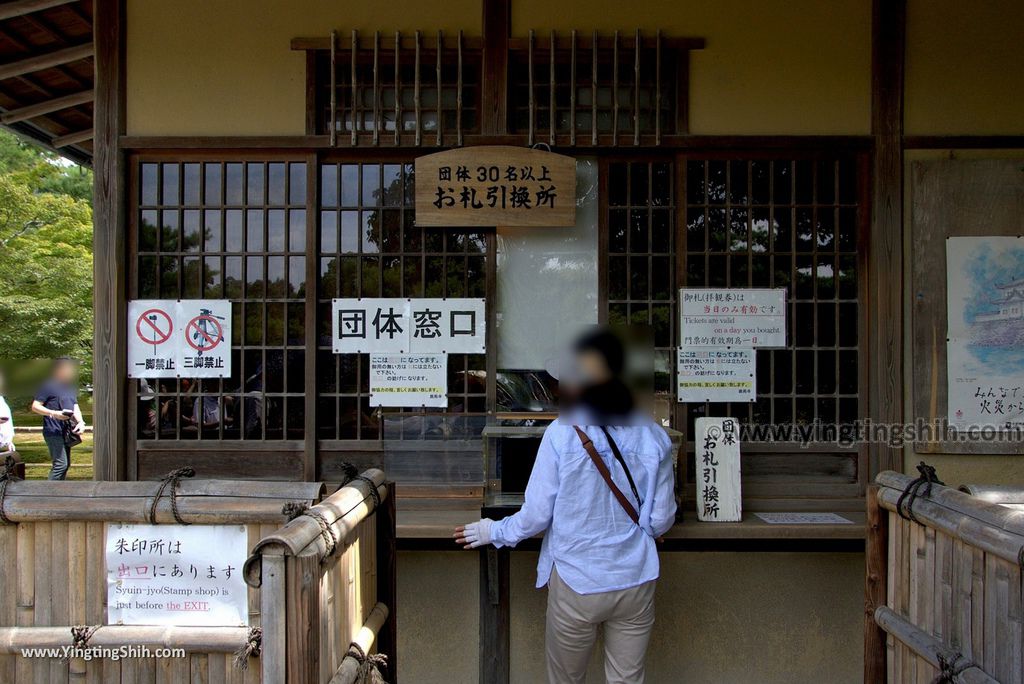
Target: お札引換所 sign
point(495, 186)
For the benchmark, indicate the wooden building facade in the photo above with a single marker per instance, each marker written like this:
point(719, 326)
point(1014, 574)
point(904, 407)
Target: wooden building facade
point(263, 153)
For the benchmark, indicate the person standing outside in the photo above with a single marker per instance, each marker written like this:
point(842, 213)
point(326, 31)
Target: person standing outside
point(57, 402)
point(602, 492)
point(6, 421)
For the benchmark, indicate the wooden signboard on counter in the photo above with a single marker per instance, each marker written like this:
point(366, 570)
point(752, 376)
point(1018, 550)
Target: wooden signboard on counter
point(495, 185)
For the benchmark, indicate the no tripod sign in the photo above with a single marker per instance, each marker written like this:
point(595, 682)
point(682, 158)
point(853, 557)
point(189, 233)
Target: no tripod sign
point(189, 338)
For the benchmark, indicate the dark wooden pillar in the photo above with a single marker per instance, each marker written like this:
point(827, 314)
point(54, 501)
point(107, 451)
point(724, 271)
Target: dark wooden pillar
point(495, 615)
point(875, 583)
point(885, 333)
point(387, 587)
point(109, 246)
point(497, 21)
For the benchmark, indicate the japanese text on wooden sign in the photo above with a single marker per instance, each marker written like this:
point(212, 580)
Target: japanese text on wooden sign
point(400, 325)
point(409, 380)
point(732, 317)
point(718, 464)
point(495, 186)
point(176, 575)
point(188, 338)
point(716, 374)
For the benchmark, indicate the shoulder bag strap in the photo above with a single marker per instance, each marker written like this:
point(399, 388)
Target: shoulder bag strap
point(603, 469)
point(625, 468)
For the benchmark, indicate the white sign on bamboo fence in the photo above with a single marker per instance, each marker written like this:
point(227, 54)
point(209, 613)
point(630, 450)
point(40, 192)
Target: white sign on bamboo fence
point(718, 468)
point(176, 575)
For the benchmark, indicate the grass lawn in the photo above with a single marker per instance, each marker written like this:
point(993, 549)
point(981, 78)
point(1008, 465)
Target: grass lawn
point(32, 450)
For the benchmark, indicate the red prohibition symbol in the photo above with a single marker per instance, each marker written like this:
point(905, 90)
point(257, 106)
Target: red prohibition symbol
point(207, 330)
point(157, 324)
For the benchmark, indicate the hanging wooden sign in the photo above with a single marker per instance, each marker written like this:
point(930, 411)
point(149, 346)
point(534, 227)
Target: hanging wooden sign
point(494, 185)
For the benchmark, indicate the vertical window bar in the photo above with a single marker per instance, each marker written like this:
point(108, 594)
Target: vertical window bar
point(458, 95)
point(615, 90)
point(377, 116)
point(657, 88)
point(416, 94)
point(636, 89)
point(398, 88)
point(334, 88)
point(354, 112)
point(440, 49)
point(532, 103)
point(551, 93)
point(572, 93)
point(593, 90)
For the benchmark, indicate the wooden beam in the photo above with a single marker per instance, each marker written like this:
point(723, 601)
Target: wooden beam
point(497, 22)
point(46, 107)
point(885, 270)
point(875, 586)
point(46, 60)
point(18, 8)
point(109, 246)
point(72, 138)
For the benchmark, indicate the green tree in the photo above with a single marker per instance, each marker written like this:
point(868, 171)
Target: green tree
point(46, 249)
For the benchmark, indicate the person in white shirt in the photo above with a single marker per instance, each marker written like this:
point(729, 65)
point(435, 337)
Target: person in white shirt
point(6, 421)
point(598, 556)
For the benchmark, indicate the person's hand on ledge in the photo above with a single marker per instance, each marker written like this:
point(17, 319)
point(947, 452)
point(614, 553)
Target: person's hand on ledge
point(474, 535)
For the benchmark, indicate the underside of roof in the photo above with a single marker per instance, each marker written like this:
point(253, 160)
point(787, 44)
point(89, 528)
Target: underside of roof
point(46, 74)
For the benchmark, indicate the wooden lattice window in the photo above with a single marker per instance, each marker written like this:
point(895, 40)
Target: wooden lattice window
point(590, 86)
point(371, 247)
point(423, 86)
point(227, 230)
point(796, 224)
point(641, 259)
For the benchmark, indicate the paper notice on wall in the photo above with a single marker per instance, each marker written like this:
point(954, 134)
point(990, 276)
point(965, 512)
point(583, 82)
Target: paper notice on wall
point(409, 380)
point(780, 518)
point(716, 374)
point(717, 442)
point(732, 317)
point(185, 575)
point(189, 338)
point(985, 335)
point(434, 325)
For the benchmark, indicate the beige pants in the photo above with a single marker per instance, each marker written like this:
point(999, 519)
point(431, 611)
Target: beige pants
point(627, 616)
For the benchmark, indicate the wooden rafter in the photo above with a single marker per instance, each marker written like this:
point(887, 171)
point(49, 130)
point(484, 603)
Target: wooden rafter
point(46, 60)
point(19, 8)
point(46, 107)
point(72, 138)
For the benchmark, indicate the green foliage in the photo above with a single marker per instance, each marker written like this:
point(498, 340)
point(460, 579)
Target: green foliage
point(46, 243)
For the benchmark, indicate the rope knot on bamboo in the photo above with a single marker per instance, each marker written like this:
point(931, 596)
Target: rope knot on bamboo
point(369, 665)
point(9, 474)
point(80, 635)
point(297, 509)
point(950, 670)
point(252, 647)
point(352, 474)
point(924, 481)
point(172, 480)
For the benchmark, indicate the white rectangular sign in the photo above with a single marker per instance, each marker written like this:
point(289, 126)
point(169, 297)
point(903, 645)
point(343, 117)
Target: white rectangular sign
point(409, 380)
point(718, 469)
point(803, 519)
point(732, 317)
point(186, 575)
point(187, 338)
point(416, 326)
point(716, 374)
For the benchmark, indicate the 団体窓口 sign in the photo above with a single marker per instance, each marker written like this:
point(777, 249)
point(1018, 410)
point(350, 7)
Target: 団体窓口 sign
point(495, 186)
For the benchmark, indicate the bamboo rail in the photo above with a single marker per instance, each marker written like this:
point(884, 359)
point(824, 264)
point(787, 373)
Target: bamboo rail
point(349, 669)
point(1000, 494)
point(952, 592)
point(192, 639)
point(927, 646)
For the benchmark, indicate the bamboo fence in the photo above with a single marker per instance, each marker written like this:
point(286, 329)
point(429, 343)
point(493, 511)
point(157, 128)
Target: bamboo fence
point(943, 589)
point(52, 561)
